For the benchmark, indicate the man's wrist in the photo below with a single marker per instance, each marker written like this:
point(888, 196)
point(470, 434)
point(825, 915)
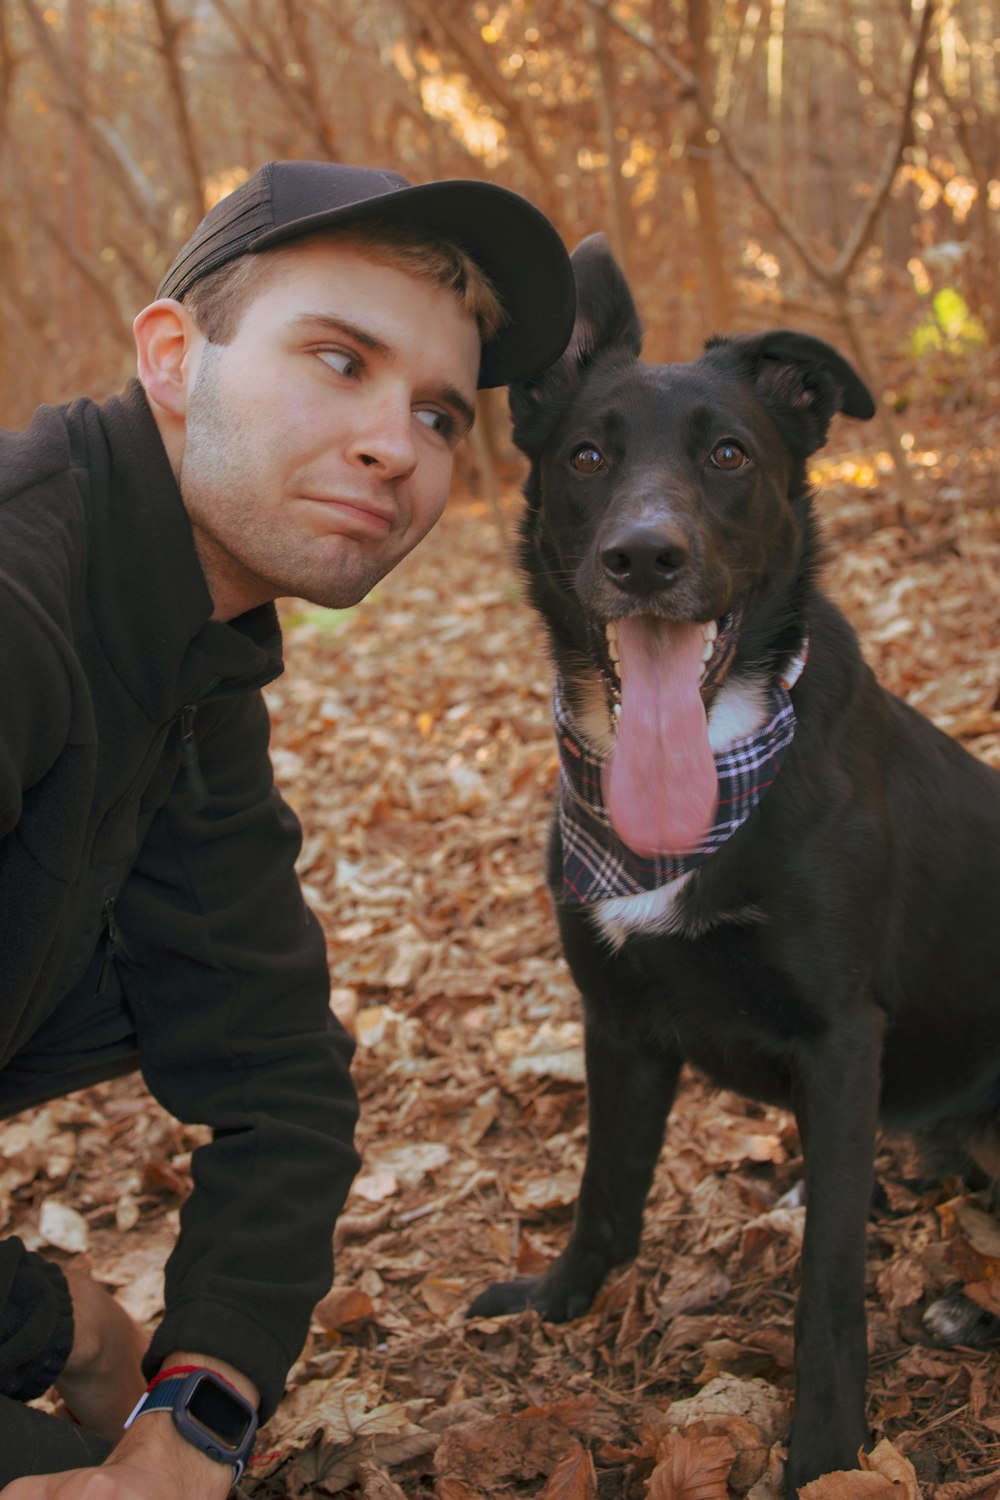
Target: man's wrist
point(212, 1408)
point(235, 1377)
point(155, 1447)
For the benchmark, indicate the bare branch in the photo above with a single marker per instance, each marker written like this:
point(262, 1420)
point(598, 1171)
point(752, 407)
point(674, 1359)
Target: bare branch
point(169, 30)
point(691, 87)
point(102, 138)
point(486, 81)
point(861, 233)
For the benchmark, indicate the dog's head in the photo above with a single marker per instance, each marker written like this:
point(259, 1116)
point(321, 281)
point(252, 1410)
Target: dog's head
point(668, 536)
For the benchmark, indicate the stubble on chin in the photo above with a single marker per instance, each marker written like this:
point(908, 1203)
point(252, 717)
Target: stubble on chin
point(249, 543)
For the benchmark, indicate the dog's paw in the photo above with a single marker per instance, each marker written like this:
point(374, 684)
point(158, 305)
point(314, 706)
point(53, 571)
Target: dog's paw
point(956, 1319)
point(550, 1297)
point(504, 1297)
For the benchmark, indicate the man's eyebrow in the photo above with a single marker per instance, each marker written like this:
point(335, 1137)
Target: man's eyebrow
point(352, 330)
point(449, 394)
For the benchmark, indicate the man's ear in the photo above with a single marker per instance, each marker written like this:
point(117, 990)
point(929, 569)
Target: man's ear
point(167, 342)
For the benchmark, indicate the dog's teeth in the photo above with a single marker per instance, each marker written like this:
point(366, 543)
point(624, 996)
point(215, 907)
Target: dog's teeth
point(617, 711)
point(711, 631)
point(611, 634)
point(707, 653)
point(703, 668)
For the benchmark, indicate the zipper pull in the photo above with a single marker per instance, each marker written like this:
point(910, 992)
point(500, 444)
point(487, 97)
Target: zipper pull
point(189, 757)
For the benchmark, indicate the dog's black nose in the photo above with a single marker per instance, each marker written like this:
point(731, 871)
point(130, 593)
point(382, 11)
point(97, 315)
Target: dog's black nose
point(644, 559)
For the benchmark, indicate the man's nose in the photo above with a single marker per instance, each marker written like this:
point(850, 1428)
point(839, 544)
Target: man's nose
point(384, 439)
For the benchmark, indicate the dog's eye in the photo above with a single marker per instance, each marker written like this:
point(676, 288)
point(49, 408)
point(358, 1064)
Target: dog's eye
point(729, 456)
point(587, 459)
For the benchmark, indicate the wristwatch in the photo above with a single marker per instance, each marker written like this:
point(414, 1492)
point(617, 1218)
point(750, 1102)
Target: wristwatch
point(207, 1411)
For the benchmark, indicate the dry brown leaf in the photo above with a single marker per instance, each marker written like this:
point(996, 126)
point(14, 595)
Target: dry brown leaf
point(573, 1477)
point(750, 1413)
point(980, 1229)
point(692, 1466)
point(446, 1487)
point(376, 1483)
point(541, 1194)
point(511, 1447)
point(885, 1474)
point(344, 1309)
point(849, 1485)
point(329, 1426)
point(886, 1460)
point(62, 1226)
point(901, 1283)
point(443, 1296)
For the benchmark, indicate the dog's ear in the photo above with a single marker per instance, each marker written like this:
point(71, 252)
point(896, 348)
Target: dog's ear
point(606, 320)
point(802, 380)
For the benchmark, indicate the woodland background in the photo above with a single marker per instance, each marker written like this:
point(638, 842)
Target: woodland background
point(826, 164)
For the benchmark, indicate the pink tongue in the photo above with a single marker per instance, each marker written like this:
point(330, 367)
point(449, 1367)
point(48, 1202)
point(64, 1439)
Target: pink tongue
point(660, 786)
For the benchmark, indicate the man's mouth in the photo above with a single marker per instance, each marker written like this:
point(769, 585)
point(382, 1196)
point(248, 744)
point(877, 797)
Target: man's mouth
point(369, 518)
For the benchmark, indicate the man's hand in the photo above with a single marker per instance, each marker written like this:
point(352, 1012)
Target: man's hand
point(102, 1379)
point(152, 1462)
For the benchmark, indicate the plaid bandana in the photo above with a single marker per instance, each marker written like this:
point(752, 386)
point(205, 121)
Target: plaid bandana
point(596, 864)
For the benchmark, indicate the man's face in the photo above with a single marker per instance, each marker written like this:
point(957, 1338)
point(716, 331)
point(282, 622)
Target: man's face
point(319, 443)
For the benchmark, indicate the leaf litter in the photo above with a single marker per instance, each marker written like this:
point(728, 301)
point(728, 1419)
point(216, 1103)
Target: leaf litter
point(412, 736)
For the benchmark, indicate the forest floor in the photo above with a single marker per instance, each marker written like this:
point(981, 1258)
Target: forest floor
point(412, 735)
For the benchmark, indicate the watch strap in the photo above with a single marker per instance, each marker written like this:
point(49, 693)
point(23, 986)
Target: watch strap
point(165, 1391)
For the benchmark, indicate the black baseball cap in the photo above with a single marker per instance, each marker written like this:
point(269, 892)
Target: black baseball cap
point(507, 237)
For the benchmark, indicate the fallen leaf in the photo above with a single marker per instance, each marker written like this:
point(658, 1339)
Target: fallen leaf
point(573, 1477)
point(376, 1483)
point(885, 1474)
point(691, 1467)
point(344, 1309)
point(63, 1227)
point(541, 1194)
point(487, 1453)
point(901, 1283)
point(750, 1413)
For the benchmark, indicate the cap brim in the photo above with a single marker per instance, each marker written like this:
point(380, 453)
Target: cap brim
point(506, 236)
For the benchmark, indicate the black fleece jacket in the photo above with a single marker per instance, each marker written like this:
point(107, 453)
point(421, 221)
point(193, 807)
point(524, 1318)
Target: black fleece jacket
point(136, 798)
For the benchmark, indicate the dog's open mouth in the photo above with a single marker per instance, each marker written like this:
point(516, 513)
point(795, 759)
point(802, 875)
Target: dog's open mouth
point(716, 658)
point(660, 784)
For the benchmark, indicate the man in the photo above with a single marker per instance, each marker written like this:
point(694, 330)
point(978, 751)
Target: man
point(304, 377)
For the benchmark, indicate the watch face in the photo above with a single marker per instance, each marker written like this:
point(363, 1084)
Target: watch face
point(219, 1413)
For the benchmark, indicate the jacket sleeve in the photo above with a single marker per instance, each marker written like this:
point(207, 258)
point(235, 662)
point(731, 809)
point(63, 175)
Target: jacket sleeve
point(225, 970)
point(36, 1322)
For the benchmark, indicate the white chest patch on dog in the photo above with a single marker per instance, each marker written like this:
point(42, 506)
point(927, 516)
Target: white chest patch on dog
point(740, 710)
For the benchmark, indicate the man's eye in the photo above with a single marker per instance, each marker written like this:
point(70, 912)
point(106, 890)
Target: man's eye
point(343, 361)
point(587, 459)
point(438, 421)
point(729, 456)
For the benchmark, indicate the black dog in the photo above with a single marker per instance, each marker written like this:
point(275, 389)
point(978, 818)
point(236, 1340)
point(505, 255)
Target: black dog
point(792, 887)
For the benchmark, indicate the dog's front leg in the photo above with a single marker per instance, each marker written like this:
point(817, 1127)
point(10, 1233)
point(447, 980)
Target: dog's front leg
point(836, 1104)
point(631, 1083)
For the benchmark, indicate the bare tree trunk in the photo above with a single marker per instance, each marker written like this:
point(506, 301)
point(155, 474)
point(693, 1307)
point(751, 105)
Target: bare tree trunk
point(835, 277)
point(170, 30)
point(619, 218)
point(716, 304)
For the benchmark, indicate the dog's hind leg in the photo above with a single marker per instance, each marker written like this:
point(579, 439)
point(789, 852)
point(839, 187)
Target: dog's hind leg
point(630, 1090)
point(836, 1095)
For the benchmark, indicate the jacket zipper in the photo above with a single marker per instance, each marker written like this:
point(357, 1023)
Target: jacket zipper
point(111, 946)
point(189, 756)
